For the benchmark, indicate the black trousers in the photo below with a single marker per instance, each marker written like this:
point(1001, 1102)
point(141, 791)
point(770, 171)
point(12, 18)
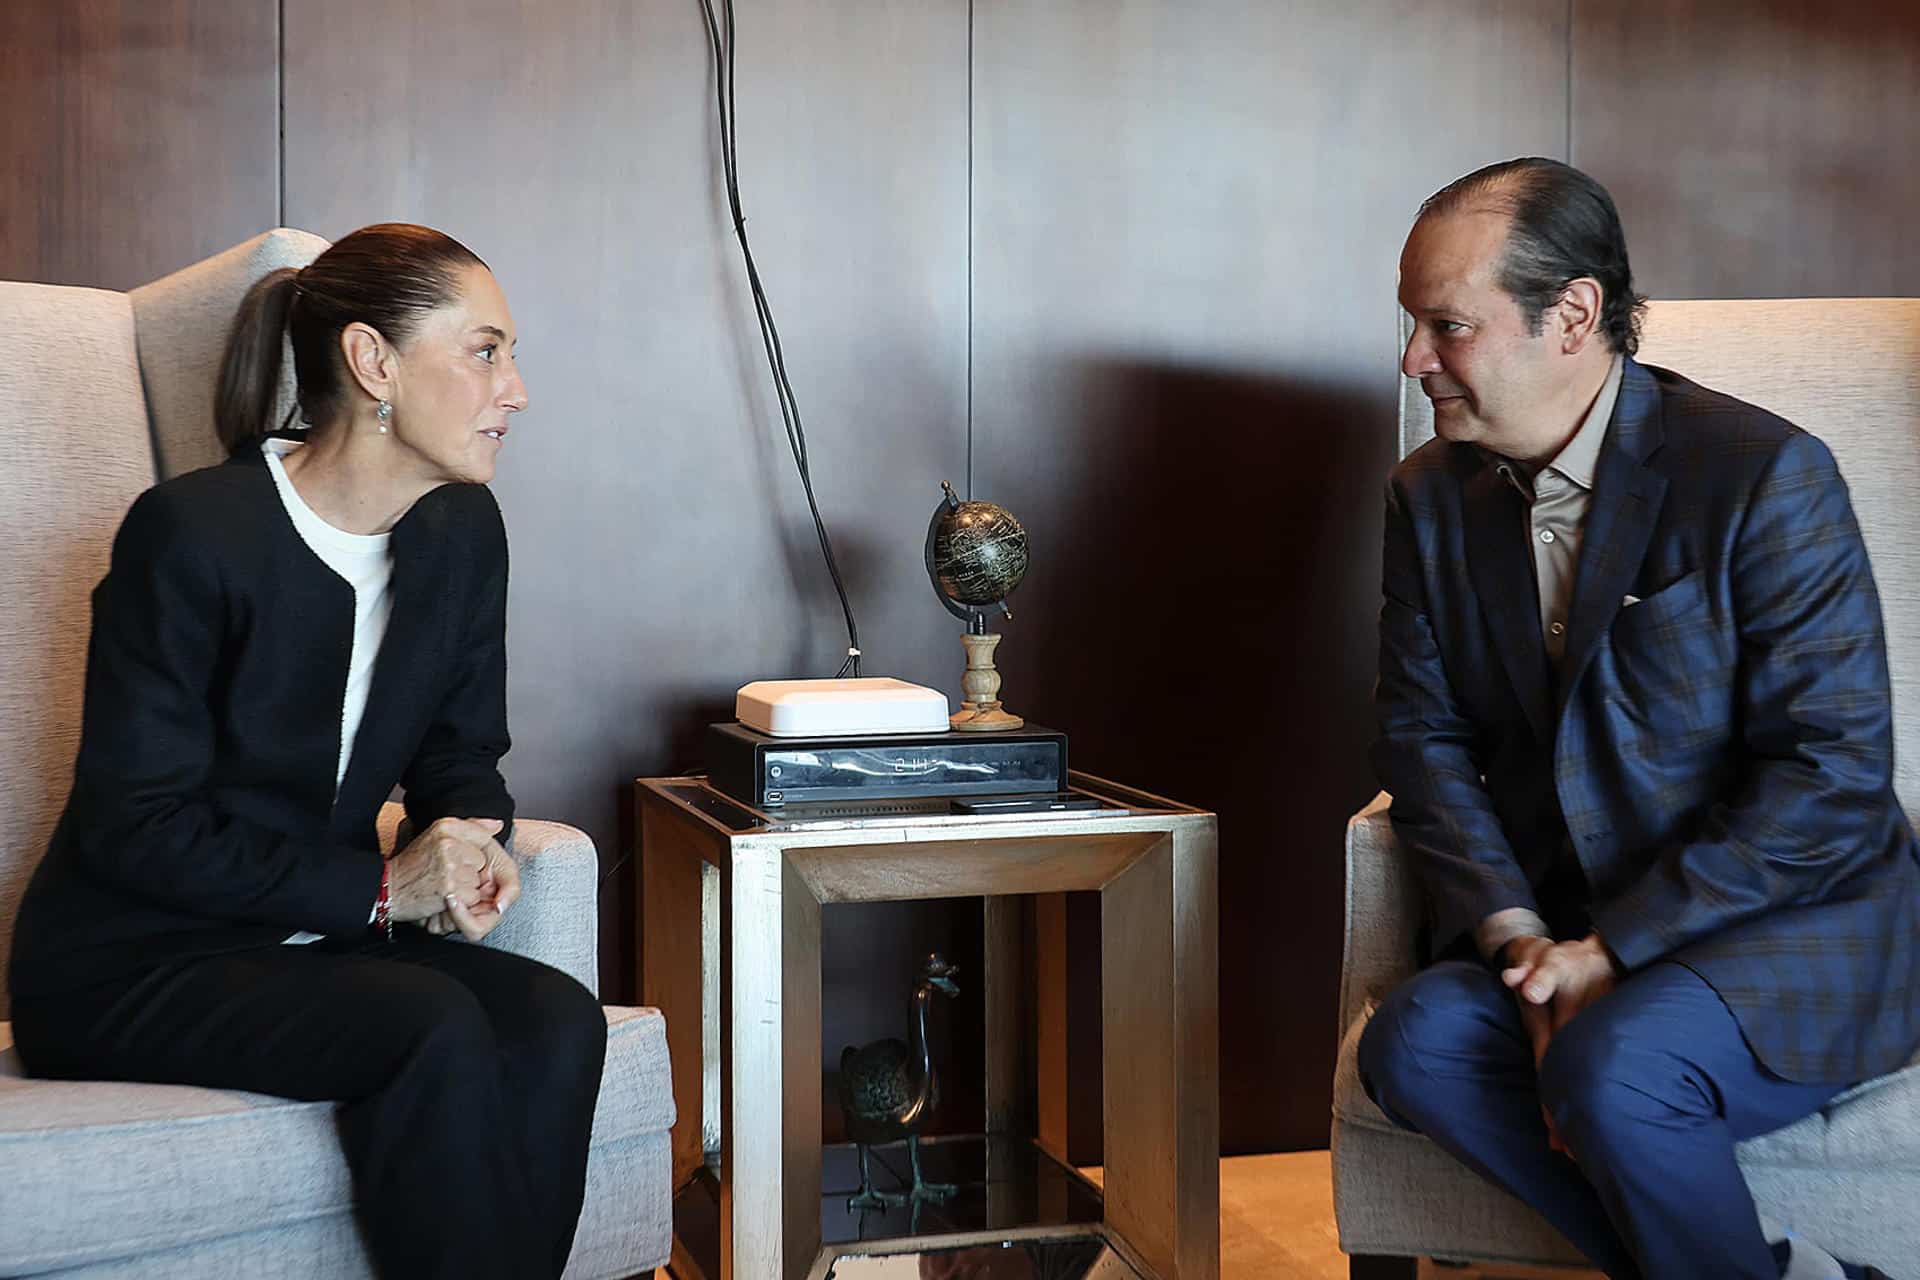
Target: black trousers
point(467, 1078)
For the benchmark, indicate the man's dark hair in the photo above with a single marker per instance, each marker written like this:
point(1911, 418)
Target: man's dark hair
point(1564, 227)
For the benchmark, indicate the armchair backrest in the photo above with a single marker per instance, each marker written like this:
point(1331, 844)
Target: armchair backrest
point(101, 393)
point(181, 324)
point(73, 456)
point(1846, 369)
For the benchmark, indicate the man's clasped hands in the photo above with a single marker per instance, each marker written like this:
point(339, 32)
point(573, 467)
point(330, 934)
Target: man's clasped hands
point(1554, 981)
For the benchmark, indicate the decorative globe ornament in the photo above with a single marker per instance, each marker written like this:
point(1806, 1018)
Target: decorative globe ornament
point(976, 556)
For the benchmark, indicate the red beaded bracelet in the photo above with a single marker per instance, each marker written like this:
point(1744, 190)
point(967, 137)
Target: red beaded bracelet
point(383, 906)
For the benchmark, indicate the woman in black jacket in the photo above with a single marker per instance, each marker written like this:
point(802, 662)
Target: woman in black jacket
point(279, 641)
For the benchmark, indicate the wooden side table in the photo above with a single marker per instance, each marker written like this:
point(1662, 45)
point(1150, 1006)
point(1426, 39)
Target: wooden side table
point(764, 881)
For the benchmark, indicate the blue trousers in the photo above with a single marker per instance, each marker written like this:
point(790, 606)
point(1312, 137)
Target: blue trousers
point(1650, 1087)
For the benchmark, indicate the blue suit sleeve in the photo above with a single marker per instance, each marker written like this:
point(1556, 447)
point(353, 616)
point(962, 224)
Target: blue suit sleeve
point(1426, 755)
point(1808, 809)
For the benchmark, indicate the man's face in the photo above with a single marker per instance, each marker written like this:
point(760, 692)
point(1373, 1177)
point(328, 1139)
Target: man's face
point(1491, 382)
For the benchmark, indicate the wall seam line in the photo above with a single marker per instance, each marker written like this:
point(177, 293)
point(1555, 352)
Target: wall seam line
point(970, 4)
point(280, 158)
point(1569, 86)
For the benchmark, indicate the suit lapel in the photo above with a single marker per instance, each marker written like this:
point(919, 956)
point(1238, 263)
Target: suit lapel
point(1626, 505)
point(1500, 561)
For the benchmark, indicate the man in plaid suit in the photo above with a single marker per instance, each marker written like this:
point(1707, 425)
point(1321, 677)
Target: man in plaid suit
point(1635, 719)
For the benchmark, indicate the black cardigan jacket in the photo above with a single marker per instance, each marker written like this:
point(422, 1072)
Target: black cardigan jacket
point(203, 816)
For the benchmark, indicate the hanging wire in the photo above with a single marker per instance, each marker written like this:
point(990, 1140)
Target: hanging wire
point(720, 40)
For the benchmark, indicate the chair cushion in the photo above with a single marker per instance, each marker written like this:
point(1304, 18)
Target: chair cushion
point(101, 1170)
point(1875, 1125)
point(182, 322)
point(1872, 1126)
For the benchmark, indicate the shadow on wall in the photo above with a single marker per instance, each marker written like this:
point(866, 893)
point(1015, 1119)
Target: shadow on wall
point(1200, 618)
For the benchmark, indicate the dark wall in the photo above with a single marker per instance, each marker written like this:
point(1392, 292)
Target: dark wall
point(1154, 242)
point(1757, 148)
point(136, 136)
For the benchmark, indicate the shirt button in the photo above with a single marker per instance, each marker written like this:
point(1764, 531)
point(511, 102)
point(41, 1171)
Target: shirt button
point(1546, 535)
point(1557, 629)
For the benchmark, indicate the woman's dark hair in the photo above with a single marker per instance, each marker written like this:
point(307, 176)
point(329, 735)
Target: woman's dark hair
point(389, 276)
point(1564, 227)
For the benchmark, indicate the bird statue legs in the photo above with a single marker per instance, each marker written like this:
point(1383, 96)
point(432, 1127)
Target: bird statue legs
point(888, 1089)
point(871, 1197)
point(868, 1196)
point(938, 1192)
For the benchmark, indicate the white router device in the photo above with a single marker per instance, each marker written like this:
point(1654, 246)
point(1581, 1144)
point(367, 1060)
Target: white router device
point(840, 708)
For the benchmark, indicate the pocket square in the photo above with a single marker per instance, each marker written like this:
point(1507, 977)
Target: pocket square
point(1627, 602)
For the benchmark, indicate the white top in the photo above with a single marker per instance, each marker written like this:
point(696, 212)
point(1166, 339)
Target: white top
point(365, 561)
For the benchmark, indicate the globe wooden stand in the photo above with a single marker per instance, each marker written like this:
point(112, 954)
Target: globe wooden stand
point(980, 711)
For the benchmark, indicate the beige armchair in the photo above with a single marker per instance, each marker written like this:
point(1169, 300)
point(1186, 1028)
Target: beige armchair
point(1848, 1177)
point(101, 394)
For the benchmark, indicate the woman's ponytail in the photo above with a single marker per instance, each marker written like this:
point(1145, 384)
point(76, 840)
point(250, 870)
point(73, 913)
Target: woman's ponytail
point(250, 368)
point(389, 276)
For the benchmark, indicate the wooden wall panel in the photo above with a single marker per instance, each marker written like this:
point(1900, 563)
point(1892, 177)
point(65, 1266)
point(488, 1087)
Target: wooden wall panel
point(662, 551)
point(1756, 148)
point(139, 136)
point(1187, 220)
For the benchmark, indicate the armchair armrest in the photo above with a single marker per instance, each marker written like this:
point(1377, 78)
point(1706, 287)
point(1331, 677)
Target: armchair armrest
point(557, 920)
point(1383, 912)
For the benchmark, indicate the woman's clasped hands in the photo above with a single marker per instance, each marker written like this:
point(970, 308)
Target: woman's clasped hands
point(454, 876)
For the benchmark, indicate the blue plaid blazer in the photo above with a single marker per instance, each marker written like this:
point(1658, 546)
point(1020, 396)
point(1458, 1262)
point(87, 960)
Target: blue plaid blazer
point(1717, 755)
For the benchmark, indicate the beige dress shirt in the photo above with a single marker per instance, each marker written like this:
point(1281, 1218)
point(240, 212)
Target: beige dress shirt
point(1558, 495)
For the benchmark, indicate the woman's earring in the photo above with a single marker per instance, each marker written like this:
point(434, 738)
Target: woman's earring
point(383, 413)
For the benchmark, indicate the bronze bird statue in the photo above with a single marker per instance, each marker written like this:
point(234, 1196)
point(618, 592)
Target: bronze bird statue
point(888, 1089)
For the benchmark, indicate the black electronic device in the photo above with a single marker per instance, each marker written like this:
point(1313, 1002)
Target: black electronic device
point(1048, 802)
point(769, 773)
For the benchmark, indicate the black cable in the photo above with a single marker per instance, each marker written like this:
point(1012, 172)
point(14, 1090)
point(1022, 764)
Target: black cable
point(721, 42)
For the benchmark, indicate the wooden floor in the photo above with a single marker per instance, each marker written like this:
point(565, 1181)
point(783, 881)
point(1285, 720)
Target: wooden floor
point(1276, 1223)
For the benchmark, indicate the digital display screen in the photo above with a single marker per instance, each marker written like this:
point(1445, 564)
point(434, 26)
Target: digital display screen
point(952, 769)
